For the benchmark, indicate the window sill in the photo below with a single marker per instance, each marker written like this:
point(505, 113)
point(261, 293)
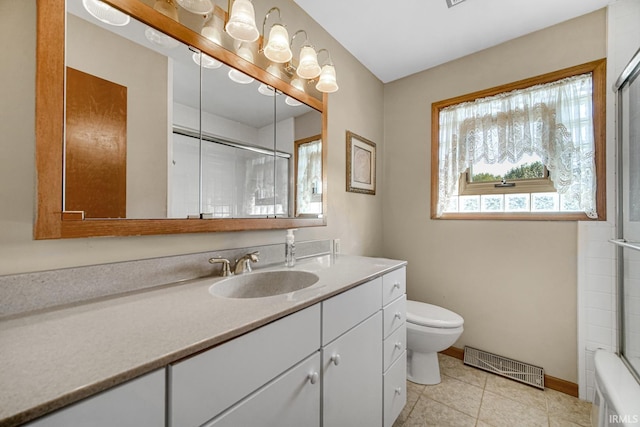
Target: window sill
point(514, 216)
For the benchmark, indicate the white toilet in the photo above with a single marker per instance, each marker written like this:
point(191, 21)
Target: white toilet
point(430, 329)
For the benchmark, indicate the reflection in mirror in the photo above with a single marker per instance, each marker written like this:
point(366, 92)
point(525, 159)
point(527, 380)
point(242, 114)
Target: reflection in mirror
point(308, 161)
point(186, 140)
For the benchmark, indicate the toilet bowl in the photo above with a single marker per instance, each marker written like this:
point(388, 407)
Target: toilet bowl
point(430, 329)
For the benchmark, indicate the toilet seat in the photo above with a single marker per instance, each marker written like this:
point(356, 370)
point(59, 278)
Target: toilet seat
point(424, 314)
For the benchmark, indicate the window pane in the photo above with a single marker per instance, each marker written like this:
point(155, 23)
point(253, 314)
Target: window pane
point(529, 167)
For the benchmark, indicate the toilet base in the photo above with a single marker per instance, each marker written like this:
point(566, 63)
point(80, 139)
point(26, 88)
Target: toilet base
point(423, 368)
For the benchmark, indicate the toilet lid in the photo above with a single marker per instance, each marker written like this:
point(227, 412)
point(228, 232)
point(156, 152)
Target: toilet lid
point(424, 314)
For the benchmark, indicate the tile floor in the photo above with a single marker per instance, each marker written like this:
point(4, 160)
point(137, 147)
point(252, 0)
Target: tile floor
point(470, 397)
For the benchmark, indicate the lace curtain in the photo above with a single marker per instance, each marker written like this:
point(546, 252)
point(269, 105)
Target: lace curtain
point(553, 121)
point(310, 178)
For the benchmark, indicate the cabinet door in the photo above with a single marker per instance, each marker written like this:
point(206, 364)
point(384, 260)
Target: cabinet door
point(395, 390)
point(291, 400)
point(137, 403)
point(352, 375)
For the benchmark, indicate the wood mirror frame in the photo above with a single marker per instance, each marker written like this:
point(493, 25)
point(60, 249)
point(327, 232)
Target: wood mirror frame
point(51, 221)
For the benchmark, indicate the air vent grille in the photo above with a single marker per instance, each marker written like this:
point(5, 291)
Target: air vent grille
point(518, 371)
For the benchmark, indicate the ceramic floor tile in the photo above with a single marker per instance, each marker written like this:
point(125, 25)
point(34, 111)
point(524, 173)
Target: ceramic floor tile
point(500, 411)
point(565, 407)
point(458, 395)
point(428, 412)
point(454, 368)
point(559, 422)
point(522, 393)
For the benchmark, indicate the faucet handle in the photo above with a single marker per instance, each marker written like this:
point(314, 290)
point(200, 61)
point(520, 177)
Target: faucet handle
point(226, 268)
point(254, 256)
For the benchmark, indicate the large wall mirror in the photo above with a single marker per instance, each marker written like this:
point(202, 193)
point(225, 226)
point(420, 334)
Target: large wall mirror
point(166, 132)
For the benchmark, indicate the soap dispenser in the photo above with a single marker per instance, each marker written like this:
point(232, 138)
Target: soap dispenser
point(290, 249)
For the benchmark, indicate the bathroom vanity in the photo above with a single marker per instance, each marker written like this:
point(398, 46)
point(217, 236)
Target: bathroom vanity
point(331, 354)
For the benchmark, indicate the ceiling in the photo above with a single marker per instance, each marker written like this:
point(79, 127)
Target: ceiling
point(396, 39)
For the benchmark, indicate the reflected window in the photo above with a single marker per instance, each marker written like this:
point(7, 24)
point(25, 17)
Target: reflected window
point(309, 176)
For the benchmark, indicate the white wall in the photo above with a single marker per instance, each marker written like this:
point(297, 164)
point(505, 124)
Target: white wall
point(514, 282)
point(597, 312)
point(354, 218)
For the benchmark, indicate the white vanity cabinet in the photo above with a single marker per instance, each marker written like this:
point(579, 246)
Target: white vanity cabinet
point(137, 403)
point(352, 357)
point(395, 343)
point(205, 385)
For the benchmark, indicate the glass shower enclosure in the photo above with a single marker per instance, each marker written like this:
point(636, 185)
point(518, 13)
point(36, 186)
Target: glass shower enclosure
point(628, 220)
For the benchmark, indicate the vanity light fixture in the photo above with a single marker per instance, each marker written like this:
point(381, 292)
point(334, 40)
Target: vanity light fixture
point(238, 76)
point(327, 82)
point(308, 67)
point(298, 84)
point(105, 13)
point(199, 7)
point(277, 48)
point(206, 61)
point(242, 22)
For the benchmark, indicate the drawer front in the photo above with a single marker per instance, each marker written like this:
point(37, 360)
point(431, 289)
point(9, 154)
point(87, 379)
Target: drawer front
point(292, 400)
point(207, 384)
point(137, 403)
point(344, 311)
point(394, 284)
point(395, 390)
point(395, 315)
point(394, 346)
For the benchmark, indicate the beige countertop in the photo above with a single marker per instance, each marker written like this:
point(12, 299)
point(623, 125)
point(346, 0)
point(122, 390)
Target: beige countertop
point(51, 359)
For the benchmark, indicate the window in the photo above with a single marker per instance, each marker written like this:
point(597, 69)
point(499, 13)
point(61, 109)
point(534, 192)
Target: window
point(532, 149)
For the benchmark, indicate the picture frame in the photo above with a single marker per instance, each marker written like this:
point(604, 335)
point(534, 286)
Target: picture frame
point(361, 164)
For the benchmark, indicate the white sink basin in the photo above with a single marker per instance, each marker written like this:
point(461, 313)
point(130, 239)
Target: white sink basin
point(263, 284)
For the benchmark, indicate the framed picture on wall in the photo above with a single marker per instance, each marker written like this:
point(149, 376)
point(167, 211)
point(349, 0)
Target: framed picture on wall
point(361, 164)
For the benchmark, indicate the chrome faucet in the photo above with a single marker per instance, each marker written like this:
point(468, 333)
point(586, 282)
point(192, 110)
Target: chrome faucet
point(243, 265)
point(226, 268)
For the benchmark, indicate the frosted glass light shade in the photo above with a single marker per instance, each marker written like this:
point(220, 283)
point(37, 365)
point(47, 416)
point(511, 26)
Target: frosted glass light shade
point(308, 67)
point(105, 13)
point(213, 30)
point(239, 77)
point(167, 8)
point(266, 90)
point(298, 84)
point(327, 82)
point(200, 7)
point(206, 61)
point(242, 22)
point(277, 49)
point(160, 39)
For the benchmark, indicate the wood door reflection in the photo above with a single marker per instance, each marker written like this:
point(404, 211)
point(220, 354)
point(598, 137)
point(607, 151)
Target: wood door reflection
point(96, 146)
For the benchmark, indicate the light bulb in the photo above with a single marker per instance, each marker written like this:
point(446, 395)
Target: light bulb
point(242, 22)
point(277, 49)
point(298, 84)
point(105, 13)
point(212, 30)
point(308, 67)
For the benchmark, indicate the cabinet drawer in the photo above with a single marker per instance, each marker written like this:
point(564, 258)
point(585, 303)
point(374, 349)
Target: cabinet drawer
point(137, 403)
point(207, 384)
point(291, 400)
point(394, 315)
point(394, 346)
point(394, 284)
point(344, 311)
point(395, 390)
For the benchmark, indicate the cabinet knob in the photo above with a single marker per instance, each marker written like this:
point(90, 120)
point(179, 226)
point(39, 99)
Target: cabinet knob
point(398, 315)
point(335, 359)
point(399, 345)
point(396, 285)
point(399, 390)
point(313, 377)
